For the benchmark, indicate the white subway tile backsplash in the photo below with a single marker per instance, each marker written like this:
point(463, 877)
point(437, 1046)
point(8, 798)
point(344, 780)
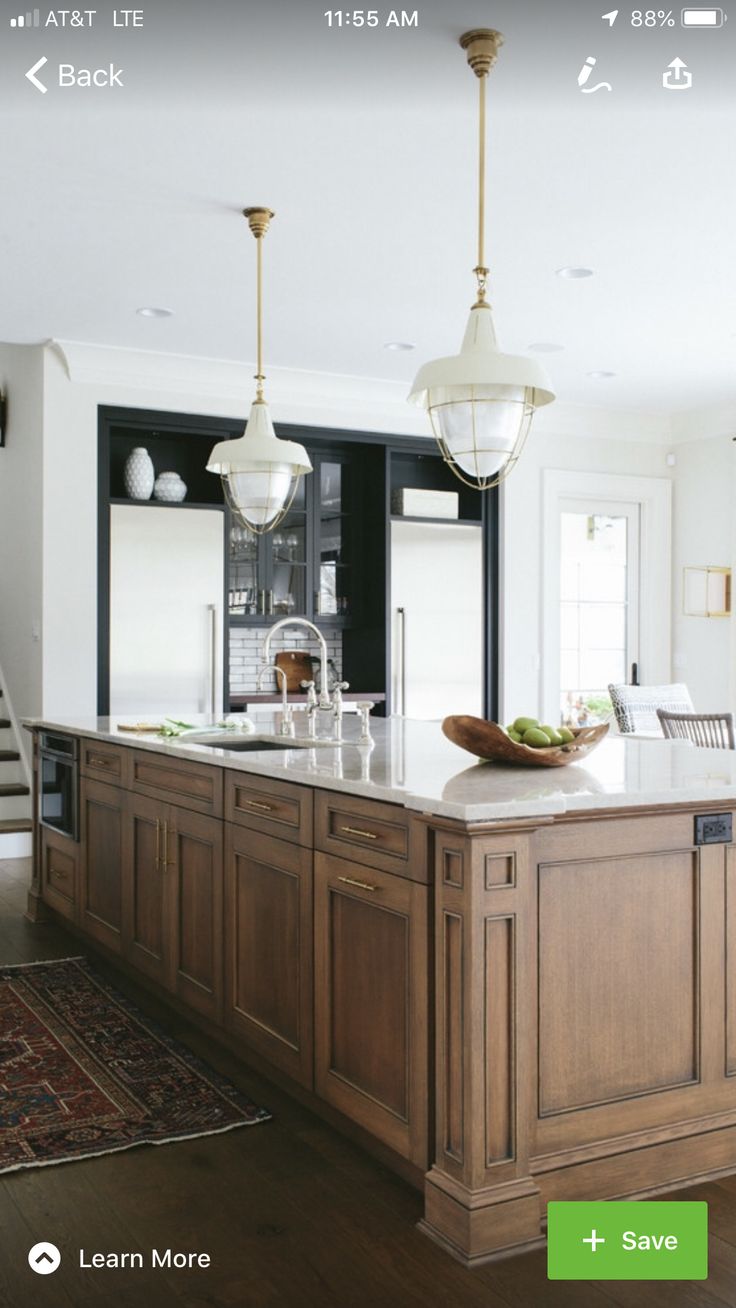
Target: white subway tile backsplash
point(246, 648)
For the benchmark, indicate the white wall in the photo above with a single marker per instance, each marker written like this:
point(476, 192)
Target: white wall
point(21, 507)
point(703, 522)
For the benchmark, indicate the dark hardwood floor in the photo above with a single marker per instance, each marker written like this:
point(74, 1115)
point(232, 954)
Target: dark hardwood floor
point(290, 1212)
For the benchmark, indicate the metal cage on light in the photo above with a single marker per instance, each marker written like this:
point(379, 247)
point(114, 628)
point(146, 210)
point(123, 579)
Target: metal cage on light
point(259, 472)
point(481, 402)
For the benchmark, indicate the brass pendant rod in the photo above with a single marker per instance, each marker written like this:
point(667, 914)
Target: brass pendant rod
point(481, 271)
point(481, 169)
point(260, 378)
point(258, 221)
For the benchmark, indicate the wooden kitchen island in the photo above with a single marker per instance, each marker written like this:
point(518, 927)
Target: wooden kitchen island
point(521, 983)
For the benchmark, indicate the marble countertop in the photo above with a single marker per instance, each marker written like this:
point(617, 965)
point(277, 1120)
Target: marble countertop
point(412, 763)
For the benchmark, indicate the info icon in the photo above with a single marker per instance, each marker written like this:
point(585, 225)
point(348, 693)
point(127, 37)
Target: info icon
point(44, 1258)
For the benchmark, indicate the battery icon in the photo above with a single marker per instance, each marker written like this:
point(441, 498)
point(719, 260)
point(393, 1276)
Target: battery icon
point(703, 18)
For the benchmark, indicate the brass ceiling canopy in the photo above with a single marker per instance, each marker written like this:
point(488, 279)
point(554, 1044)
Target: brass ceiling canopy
point(482, 46)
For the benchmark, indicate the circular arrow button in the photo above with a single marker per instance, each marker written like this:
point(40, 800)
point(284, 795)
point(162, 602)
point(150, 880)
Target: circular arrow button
point(44, 1258)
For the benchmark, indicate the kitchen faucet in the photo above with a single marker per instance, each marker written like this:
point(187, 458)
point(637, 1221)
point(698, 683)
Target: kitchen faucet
point(324, 694)
point(287, 720)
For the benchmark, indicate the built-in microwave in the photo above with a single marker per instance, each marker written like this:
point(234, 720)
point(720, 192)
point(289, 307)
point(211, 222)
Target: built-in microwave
point(58, 772)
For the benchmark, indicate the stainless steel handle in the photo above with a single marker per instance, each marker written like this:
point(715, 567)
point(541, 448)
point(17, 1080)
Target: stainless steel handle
point(356, 831)
point(270, 603)
point(253, 803)
point(401, 615)
point(362, 885)
point(212, 610)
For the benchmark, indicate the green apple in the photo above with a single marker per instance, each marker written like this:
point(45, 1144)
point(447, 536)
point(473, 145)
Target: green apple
point(525, 724)
point(565, 734)
point(535, 737)
point(553, 733)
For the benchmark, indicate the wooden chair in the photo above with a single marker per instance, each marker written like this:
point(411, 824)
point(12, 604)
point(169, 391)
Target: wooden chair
point(709, 730)
point(636, 707)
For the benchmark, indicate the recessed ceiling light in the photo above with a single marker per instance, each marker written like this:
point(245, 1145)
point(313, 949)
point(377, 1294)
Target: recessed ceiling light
point(545, 347)
point(399, 345)
point(600, 375)
point(150, 311)
point(573, 274)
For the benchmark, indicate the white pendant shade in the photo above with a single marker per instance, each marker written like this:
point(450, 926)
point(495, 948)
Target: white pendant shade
point(481, 402)
point(259, 472)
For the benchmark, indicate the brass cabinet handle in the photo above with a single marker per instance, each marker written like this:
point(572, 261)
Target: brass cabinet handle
point(56, 872)
point(158, 844)
point(168, 862)
point(356, 831)
point(253, 803)
point(95, 761)
point(362, 885)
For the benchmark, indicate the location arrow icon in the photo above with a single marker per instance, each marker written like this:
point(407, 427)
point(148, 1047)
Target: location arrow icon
point(31, 75)
point(610, 18)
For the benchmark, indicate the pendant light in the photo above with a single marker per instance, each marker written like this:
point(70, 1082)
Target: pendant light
point(259, 472)
point(481, 402)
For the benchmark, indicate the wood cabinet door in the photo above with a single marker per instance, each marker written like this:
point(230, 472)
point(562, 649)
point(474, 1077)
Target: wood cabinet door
point(268, 948)
point(371, 987)
point(146, 889)
point(192, 852)
point(102, 838)
point(59, 859)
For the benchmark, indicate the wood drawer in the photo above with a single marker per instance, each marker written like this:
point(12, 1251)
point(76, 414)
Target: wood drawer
point(59, 870)
point(104, 761)
point(276, 808)
point(196, 786)
point(384, 836)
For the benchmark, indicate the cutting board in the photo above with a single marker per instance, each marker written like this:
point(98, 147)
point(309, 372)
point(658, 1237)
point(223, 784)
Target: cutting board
point(297, 665)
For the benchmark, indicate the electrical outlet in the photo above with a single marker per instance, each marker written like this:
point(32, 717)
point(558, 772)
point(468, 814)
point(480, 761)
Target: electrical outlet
point(713, 829)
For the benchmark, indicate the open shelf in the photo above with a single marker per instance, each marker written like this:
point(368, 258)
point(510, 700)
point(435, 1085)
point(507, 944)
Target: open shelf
point(443, 522)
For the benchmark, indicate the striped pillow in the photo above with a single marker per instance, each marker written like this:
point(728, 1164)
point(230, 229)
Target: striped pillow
point(636, 706)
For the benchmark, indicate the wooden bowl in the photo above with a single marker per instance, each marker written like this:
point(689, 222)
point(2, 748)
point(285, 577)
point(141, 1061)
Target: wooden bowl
point(491, 744)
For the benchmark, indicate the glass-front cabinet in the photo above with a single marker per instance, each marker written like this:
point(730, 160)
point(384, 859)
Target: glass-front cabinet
point(304, 567)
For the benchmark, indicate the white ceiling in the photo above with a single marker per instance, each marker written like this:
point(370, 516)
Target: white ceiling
point(364, 144)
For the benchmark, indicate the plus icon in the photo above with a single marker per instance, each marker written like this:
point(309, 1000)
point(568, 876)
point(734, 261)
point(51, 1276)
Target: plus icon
point(594, 1240)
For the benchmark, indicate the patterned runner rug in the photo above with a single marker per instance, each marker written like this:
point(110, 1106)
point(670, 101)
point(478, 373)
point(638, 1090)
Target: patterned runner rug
point(83, 1072)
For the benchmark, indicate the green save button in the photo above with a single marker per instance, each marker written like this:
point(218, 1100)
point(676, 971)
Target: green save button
point(627, 1241)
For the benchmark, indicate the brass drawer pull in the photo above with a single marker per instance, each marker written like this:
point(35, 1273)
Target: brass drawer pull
point(95, 761)
point(356, 831)
point(362, 885)
point(253, 803)
point(158, 844)
point(166, 861)
point(55, 872)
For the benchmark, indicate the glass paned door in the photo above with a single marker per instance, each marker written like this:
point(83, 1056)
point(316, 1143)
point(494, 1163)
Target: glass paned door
point(599, 605)
point(333, 543)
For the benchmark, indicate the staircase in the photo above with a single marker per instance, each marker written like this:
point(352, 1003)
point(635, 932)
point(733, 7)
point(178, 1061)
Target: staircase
point(15, 794)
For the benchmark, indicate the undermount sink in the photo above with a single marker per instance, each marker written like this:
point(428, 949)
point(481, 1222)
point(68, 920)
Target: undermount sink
point(254, 744)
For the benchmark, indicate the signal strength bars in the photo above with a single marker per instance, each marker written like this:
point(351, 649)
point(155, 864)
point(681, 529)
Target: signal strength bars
point(27, 20)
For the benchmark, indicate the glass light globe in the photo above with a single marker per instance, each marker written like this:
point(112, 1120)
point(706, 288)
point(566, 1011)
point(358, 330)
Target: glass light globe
point(481, 403)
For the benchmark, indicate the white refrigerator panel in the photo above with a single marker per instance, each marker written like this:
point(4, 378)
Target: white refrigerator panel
point(437, 619)
point(166, 610)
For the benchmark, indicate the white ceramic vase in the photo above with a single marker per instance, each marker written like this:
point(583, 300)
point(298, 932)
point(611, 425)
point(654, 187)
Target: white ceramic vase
point(139, 475)
point(169, 488)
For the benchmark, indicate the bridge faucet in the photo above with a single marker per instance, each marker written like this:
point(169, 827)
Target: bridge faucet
point(324, 695)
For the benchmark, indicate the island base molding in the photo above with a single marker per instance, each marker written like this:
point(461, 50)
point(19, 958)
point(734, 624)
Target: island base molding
point(481, 1226)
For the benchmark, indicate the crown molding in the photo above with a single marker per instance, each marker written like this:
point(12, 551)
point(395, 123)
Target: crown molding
point(330, 399)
